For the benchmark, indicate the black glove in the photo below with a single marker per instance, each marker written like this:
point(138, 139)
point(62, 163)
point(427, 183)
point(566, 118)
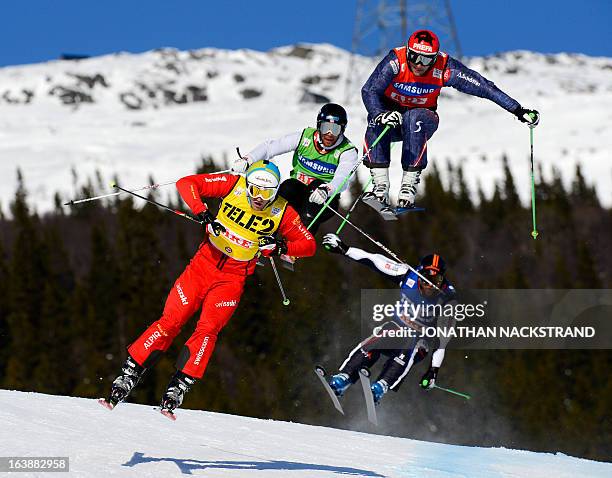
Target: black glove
point(389, 118)
point(272, 246)
point(531, 117)
point(334, 244)
point(210, 223)
point(429, 379)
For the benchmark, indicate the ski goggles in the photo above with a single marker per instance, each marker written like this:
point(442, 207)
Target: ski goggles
point(425, 60)
point(436, 280)
point(257, 192)
point(329, 127)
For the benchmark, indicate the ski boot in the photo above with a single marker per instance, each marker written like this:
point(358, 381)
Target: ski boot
point(408, 189)
point(378, 197)
point(379, 388)
point(124, 383)
point(339, 383)
point(179, 385)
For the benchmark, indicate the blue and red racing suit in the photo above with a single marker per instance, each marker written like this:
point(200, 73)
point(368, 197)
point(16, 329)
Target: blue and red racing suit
point(393, 86)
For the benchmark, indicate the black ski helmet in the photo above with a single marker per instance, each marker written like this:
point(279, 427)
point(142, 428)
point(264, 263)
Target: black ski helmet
point(433, 268)
point(332, 113)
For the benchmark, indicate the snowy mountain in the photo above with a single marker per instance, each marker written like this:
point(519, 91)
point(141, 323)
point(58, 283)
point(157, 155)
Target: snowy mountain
point(134, 440)
point(156, 113)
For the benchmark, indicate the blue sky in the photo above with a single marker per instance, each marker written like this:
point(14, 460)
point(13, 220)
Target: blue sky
point(34, 31)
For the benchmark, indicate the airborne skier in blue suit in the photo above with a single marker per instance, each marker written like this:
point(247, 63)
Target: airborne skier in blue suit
point(402, 353)
point(402, 92)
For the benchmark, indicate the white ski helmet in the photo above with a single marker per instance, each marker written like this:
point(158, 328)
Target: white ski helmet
point(263, 180)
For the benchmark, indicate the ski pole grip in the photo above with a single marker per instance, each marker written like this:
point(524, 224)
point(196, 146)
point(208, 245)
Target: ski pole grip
point(331, 198)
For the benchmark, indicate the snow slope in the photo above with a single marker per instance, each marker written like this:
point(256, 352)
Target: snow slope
point(133, 440)
point(157, 112)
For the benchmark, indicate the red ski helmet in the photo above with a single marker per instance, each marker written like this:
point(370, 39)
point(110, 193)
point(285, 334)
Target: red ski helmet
point(424, 42)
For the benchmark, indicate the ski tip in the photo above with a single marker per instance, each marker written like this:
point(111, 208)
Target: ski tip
point(388, 216)
point(374, 204)
point(320, 371)
point(390, 213)
point(402, 210)
point(168, 414)
point(105, 403)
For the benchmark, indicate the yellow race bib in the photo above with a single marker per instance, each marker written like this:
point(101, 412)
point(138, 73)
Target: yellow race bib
point(243, 225)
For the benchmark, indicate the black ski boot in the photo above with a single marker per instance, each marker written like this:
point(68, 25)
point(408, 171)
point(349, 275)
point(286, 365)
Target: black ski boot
point(179, 385)
point(124, 383)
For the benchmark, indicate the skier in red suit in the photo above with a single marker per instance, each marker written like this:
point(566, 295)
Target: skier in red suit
point(249, 218)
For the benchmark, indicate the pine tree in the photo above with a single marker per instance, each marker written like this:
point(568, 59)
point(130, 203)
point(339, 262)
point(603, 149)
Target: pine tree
point(95, 318)
point(514, 278)
point(586, 273)
point(142, 276)
point(437, 198)
point(5, 280)
point(511, 197)
point(562, 276)
point(464, 201)
point(582, 193)
point(492, 212)
point(54, 332)
point(559, 199)
point(207, 165)
point(25, 291)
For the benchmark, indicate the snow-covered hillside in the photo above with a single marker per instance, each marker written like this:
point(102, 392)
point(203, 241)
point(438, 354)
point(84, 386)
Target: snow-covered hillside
point(134, 440)
point(158, 112)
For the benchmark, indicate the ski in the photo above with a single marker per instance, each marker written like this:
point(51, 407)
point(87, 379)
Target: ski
point(364, 378)
point(320, 371)
point(388, 212)
point(106, 404)
point(374, 204)
point(168, 414)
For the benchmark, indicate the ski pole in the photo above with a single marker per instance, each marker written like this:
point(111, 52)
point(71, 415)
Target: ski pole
point(72, 202)
point(386, 249)
point(152, 186)
point(353, 171)
point(464, 395)
point(534, 233)
point(365, 188)
point(158, 204)
point(348, 214)
point(286, 301)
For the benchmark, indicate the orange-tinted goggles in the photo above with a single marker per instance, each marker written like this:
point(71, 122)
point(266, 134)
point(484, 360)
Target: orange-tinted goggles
point(264, 193)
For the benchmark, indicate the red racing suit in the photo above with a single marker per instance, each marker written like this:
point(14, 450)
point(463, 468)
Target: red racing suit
point(213, 281)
